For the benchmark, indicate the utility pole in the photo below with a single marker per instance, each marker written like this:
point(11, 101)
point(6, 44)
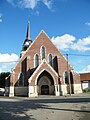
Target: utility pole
point(68, 75)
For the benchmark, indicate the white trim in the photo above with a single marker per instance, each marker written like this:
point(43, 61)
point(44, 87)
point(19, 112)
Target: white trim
point(32, 91)
point(77, 88)
point(48, 58)
point(41, 72)
point(35, 72)
point(41, 52)
point(64, 89)
point(57, 90)
point(11, 91)
point(52, 68)
point(34, 59)
point(38, 69)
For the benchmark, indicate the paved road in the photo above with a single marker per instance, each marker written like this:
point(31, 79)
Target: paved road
point(44, 108)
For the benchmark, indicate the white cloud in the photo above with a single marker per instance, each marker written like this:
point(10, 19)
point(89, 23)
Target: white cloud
point(0, 20)
point(48, 3)
point(82, 44)
point(27, 3)
point(87, 23)
point(64, 42)
point(30, 4)
point(7, 61)
point(85, 70)
point(67, 42)
point(8, 57)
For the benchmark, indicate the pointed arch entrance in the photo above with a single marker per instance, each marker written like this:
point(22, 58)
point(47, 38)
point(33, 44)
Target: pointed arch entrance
point(45, 84)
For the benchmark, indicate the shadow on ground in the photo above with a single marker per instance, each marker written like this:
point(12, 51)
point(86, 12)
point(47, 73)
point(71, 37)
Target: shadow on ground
point(17, 108)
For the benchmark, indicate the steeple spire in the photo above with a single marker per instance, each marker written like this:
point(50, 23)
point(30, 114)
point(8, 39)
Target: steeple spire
point(28, 31)
point(28, 40)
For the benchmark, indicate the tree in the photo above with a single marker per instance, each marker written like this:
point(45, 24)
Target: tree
point(3, 75)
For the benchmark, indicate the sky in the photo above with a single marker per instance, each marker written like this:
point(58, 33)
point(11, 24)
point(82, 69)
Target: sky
point(66, 22)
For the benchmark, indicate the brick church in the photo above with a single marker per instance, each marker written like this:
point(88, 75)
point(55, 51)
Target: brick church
point(42, 70)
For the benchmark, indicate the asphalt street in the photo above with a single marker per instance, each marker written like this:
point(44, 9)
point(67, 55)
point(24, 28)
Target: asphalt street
point(45, 108)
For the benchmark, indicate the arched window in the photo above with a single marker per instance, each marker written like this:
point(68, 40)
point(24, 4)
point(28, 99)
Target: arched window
point(21, 79)
point(66, 78)
point(50, 59)
point(36, 60)
point(55, 63)
point(43, 52)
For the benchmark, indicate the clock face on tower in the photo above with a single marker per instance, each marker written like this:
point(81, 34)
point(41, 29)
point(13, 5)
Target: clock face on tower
point(26, 43)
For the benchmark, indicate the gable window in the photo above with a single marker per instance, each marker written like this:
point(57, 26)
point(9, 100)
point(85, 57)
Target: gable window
point(21, 79)
point(36, 62)
point(50, 59)
point(43, 52)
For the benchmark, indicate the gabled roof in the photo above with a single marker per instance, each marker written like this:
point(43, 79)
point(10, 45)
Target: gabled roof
point(41, 35)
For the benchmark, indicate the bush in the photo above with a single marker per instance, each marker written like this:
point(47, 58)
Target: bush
point(3, 75)
point(86, 91)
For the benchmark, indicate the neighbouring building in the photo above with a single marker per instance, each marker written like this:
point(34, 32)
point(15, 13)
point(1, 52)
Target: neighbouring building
point(42, 70)
point(85, 81)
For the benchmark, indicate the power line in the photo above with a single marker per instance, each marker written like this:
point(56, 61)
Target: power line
point(79, 55)
point(83, 55)
point(9, 62)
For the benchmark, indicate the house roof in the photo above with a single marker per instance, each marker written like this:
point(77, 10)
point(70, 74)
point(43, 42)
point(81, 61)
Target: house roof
point(84, 76)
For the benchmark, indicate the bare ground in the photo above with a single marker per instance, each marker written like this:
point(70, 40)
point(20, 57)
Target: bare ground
point(45, 108)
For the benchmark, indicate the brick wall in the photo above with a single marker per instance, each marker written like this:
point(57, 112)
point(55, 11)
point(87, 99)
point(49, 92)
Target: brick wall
point(85, 76)
point(26, 62)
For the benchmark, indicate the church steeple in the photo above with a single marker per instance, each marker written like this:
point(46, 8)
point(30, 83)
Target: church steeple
point(27, 41)
point(28, 31)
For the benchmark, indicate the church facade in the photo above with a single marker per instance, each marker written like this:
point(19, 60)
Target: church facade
point(42, 70)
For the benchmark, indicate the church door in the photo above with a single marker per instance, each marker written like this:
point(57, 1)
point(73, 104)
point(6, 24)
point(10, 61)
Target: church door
point(44, 90)
point(45, 84)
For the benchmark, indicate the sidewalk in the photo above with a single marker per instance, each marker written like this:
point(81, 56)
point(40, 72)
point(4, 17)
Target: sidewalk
point(80, 95)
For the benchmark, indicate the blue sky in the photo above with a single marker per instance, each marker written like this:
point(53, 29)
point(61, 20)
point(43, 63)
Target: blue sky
point(66, 22)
